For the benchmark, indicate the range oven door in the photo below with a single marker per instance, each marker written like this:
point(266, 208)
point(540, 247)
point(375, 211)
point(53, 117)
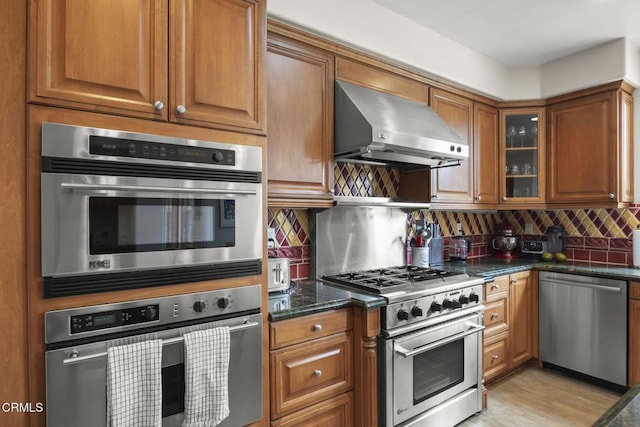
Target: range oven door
point(76, 377)
point(94, 224)
point(432, 365)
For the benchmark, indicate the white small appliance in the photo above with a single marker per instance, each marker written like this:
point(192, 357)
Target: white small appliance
point(278, 274)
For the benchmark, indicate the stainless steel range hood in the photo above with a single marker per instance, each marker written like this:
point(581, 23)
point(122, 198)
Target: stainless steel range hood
point(375, 126)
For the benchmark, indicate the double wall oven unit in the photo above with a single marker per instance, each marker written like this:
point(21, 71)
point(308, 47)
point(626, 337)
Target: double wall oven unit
point(430, 348)
point(124, 210)
point(77, 341)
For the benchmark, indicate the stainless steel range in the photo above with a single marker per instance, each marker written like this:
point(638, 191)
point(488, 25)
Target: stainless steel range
point(430, 349)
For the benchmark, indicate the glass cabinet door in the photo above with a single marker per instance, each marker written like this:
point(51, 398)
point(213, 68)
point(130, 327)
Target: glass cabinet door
point(522, 160)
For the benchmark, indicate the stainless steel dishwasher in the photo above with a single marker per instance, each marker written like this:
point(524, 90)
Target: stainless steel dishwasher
point(583, 325)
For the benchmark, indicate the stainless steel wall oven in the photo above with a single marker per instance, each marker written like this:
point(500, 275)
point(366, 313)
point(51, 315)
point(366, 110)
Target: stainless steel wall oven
point(124, 210)
point(78, 339)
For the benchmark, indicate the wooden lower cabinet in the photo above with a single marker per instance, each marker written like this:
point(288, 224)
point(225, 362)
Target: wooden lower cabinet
point(311, 370)
point(634, 333)
point(337, 411)
point(509, 334)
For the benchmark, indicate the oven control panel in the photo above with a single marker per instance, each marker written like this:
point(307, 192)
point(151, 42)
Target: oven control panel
point(109, 319)
point(428, 307)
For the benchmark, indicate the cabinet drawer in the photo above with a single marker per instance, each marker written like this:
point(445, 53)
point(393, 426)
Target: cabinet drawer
point(634, 290)
point(337, 411)
point(294, 331)
point(496, 289)
point(307, 373)
point(495, 317)
point(495, 357)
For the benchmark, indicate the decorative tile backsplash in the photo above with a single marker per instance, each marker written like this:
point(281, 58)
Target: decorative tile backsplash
point(355, 179)
point(292, 239)
point(595, 235)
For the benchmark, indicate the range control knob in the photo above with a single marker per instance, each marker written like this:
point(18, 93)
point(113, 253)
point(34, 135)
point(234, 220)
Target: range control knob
point(447, 303)
point(473, 297)
point(150, 313)
point(436, 307)
point(463, 299)
point(218, 156)
point(456, 304)
point(403, 314)
point(416, 311)
point(199, 306)
point(223, 302)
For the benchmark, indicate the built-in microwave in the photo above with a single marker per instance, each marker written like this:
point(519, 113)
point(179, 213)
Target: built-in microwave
point(123, 210)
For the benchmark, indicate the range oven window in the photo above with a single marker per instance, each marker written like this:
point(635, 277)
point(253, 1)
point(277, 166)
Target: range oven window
point(437, 370)
point(123, 225)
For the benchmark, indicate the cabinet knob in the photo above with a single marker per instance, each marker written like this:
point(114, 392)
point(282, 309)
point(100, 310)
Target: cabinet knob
point(514, 280)
point(504, 198)
point(494, 316)
point(317, 373)
point(495, 286)
point(435, 196)
point(611, 195)
point(479, 198)
point(317, 327)
point(181, 109)
point(332, 191)
point(495, 357)
point(158, 105)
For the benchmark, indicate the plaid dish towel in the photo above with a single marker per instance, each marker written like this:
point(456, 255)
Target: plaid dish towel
point(206, 371)
point(134, 385)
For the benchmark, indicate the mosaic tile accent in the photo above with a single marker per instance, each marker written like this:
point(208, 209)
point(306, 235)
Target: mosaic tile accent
point(355, 179)
point(292, 239)
point(291, 225)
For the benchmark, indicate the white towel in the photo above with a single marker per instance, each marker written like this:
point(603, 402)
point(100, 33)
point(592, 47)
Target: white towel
point(206, 372)
point(134, 385)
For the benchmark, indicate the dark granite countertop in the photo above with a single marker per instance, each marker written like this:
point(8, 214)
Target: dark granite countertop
point(494, 266)
point(625, 412)
point(313, 296)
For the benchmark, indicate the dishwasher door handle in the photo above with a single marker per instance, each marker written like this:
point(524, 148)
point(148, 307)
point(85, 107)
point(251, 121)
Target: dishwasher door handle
point(582, 285)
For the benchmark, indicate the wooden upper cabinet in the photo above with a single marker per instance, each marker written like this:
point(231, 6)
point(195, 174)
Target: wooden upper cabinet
point(217, 62)
point(590, 155)
point(384, 81)
point(104, 55)
point(114, 56)
point(454, 184)
point(522, 157)
point(300, 124)
point(486, 160)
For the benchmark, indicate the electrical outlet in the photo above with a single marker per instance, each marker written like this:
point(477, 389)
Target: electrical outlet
point(271, 237)
point(458, 229)
point(528, 228)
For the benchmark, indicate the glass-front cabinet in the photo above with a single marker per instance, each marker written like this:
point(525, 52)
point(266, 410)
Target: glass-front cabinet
point(522, 156)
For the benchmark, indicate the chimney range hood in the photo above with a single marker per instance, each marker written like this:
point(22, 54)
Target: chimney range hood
point(378, 127)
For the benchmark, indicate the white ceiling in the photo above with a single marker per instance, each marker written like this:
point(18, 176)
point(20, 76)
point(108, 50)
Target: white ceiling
point(525, 33)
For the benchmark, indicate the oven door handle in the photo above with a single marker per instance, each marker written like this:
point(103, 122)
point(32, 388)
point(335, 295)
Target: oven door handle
point(409, 353)
point(103, 187)
point(75, 358)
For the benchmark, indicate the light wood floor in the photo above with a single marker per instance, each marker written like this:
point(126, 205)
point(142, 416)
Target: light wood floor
point(542, 397)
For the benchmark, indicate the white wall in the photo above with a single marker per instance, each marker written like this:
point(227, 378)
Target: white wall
point(368, 26)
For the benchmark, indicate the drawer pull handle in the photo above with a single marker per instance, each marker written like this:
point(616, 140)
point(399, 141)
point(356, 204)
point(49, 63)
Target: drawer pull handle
point(317, 373)
point(494, 316)
point(317, 327)
point(494, 287)
point(495, 357)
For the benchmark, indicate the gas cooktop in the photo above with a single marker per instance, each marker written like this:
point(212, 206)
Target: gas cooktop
point(392, 280)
